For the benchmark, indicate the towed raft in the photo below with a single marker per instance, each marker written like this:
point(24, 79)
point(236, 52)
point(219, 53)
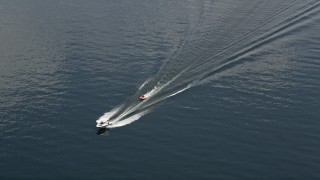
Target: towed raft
point(142, 98)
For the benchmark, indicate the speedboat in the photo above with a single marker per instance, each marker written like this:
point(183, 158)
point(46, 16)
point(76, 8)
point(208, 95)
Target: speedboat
point(103, 124)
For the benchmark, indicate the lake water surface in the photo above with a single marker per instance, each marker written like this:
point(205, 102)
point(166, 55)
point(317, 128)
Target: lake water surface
point(233, 89)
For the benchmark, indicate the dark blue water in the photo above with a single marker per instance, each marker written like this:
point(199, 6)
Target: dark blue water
point(236, 89)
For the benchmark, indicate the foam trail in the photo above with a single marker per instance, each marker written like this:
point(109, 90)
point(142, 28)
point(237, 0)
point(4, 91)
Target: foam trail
point(122, 119)
point(106, 117)
point(127, 120)
point(152, 92)
point(210, 49)
point(189, 86)
point(148, 80)
point(165, 97)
